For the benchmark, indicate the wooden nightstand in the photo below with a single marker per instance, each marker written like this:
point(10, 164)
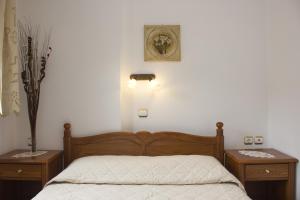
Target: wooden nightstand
point(23, 178)
point(264, 178)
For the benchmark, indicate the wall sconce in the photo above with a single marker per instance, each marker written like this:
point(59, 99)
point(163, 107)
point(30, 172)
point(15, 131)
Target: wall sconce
point(142, 77)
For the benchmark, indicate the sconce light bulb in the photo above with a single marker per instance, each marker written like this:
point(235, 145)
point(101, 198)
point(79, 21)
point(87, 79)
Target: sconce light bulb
point(132, 83)
point(153, 83)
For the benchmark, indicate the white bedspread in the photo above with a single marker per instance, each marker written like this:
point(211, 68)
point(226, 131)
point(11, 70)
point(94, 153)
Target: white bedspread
point(144, 178)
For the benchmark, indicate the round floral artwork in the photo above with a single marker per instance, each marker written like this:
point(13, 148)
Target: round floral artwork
point(162, 43)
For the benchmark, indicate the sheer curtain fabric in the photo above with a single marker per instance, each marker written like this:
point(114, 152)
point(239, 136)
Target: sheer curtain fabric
point(9, 86)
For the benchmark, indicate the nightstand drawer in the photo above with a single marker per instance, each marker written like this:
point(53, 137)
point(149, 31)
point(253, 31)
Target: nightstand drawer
point(20, 172)
point(267, 172)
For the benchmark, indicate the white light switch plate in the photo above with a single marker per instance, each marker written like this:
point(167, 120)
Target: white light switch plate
point(143, 112)
point(259, 140)
point(248, 140)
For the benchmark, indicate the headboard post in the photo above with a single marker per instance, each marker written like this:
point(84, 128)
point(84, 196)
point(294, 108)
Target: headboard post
point(220, 142)
point(67, 144)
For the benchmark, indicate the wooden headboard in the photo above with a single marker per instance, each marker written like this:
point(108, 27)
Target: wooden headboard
point(143, 143)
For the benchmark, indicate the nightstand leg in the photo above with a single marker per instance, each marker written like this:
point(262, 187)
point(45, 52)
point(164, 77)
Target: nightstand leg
point(290, 186)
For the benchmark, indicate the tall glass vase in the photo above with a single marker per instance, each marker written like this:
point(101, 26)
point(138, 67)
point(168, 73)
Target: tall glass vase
point(33, 135)
point(33, 103)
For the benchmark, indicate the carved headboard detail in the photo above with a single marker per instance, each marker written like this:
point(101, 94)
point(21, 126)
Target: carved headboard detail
point(143, 143)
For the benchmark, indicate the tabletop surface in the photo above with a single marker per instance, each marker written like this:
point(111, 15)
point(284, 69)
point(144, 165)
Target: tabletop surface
point(279, 157)
point(45, 158)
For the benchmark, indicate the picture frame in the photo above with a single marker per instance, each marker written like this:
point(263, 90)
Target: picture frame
point(162, 43)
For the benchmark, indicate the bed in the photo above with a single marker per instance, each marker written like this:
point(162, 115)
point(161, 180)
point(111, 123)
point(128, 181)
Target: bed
point(144, 166)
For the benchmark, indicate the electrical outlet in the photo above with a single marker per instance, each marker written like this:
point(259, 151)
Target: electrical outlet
point(259, 140)
point(248, 140)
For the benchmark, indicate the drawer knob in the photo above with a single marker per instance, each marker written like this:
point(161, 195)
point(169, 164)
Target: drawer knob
point(19, 171)
point(267, 171)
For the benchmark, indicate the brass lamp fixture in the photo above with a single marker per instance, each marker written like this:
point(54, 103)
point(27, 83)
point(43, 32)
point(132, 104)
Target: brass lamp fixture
point(142, 77)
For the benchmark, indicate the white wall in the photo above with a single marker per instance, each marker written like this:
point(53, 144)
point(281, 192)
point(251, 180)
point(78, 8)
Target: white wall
point(222, 75)
point(82, 78)
point(7, 134)
point(283, 59)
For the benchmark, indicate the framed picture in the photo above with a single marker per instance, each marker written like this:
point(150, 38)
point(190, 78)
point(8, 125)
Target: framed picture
point(162, 43)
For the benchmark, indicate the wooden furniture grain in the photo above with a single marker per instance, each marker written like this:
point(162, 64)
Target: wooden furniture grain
point(143, 143)
point(23, 178)
point(264, 178)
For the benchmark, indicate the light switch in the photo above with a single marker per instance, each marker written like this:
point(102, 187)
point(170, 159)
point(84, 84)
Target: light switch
point(143, 112)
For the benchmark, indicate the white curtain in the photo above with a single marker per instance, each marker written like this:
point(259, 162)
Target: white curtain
point(9, 86)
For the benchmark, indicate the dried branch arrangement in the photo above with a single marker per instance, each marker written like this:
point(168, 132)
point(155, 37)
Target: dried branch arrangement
point(33, 59)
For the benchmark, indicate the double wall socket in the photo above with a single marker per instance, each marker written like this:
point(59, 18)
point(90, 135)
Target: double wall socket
point(249, 140)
